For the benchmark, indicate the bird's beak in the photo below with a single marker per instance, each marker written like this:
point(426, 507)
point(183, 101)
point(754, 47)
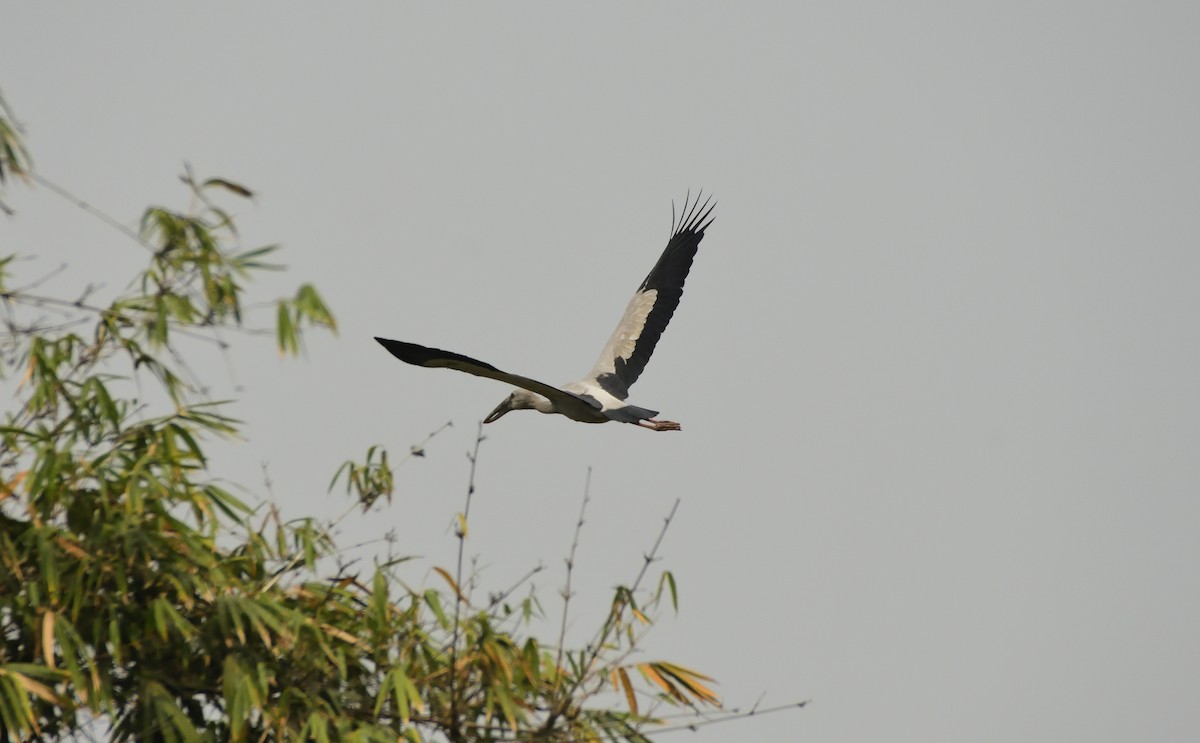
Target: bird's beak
point(500, 410)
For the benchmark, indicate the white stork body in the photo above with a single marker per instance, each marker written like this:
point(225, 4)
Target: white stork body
point(599, 397)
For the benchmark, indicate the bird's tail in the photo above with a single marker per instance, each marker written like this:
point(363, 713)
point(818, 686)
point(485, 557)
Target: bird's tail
point(631, 414)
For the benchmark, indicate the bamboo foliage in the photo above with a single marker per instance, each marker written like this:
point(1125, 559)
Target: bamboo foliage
point(141, 598)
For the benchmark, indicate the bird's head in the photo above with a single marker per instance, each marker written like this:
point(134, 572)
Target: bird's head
point(518, 400)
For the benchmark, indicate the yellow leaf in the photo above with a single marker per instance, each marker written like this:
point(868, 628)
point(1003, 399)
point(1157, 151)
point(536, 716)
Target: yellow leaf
point(48, 638)
point(70, 547)
point(495, 652)
point(629, 697)
point(39, 689)
point(651, 673)
point(675, 668)
point(341, 634)
point(34, 687)
point(453, 585)
point(690, 680)
point(9, 489)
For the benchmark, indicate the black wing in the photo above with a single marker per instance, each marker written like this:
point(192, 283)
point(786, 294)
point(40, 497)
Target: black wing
point(435, 357)
point(628, 350)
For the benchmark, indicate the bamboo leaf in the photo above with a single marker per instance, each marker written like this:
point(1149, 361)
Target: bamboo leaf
point(650, 673)
point(342, 634)
point(434, 602)
point(250, 259)
point(236, 188)
point(504, 699)
point(26, 682)
point(450, 580)
point(400, 693)
point(285, 331)
point(15, 710)
point(690, 680)
point(316, 728)
point(48, 639)
point(70, 547)
point(669, 578)
point(414, 695)
point(630, 698)
point(310, 306)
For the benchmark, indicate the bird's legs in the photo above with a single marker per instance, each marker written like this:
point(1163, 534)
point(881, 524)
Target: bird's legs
point(656, 425)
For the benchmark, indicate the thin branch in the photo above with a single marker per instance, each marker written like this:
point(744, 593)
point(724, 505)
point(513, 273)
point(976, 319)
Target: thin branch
point(732, 715)
point(566, 593)
point(39, 281)
point(98, 214)
point(499, 731)
point(619, 606)
point(496, 599)
point(415, 451)
point(460, 531)
point(610, 624)
point(63, 306)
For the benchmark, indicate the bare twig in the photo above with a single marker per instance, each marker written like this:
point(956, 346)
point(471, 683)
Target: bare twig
point(64, 306)
point(619, 606)
point(611, 623)
point(496, 599)
point(98, 214)
point(566, 592)
point(460, 531)
point(416, 450)
point(730, 716)
point(42, 280)
point(296, 558)
point(500, 732)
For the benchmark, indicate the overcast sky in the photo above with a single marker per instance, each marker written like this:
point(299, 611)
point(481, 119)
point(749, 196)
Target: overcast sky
point(936, 363)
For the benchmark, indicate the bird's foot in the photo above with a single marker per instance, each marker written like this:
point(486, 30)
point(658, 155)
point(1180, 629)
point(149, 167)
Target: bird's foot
point(656, 425)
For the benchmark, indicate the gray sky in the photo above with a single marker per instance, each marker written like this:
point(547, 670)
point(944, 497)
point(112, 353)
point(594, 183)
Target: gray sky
point(936, 363)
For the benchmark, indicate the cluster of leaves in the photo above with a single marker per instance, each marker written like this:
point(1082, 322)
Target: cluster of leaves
point(140, 597)
point(14, 158)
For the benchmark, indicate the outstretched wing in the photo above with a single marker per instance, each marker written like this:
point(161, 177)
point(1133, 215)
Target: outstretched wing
point(646, 317)
point(435, 357)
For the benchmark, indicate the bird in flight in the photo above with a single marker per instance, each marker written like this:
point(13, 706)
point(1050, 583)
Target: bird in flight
point(600, 396)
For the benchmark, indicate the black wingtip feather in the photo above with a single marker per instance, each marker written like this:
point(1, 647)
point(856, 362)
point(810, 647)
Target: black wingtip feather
point(672, 268)
point(411, 353)
point(695, 219)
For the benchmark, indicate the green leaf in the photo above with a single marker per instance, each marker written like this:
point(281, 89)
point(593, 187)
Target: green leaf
point(379, 600)
point(285, 331)
point(434, 601)
point(228, 186)
point(669, 579)
point(250, 259)
point(311, 307)
point(404, 694)
point(225, 502)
